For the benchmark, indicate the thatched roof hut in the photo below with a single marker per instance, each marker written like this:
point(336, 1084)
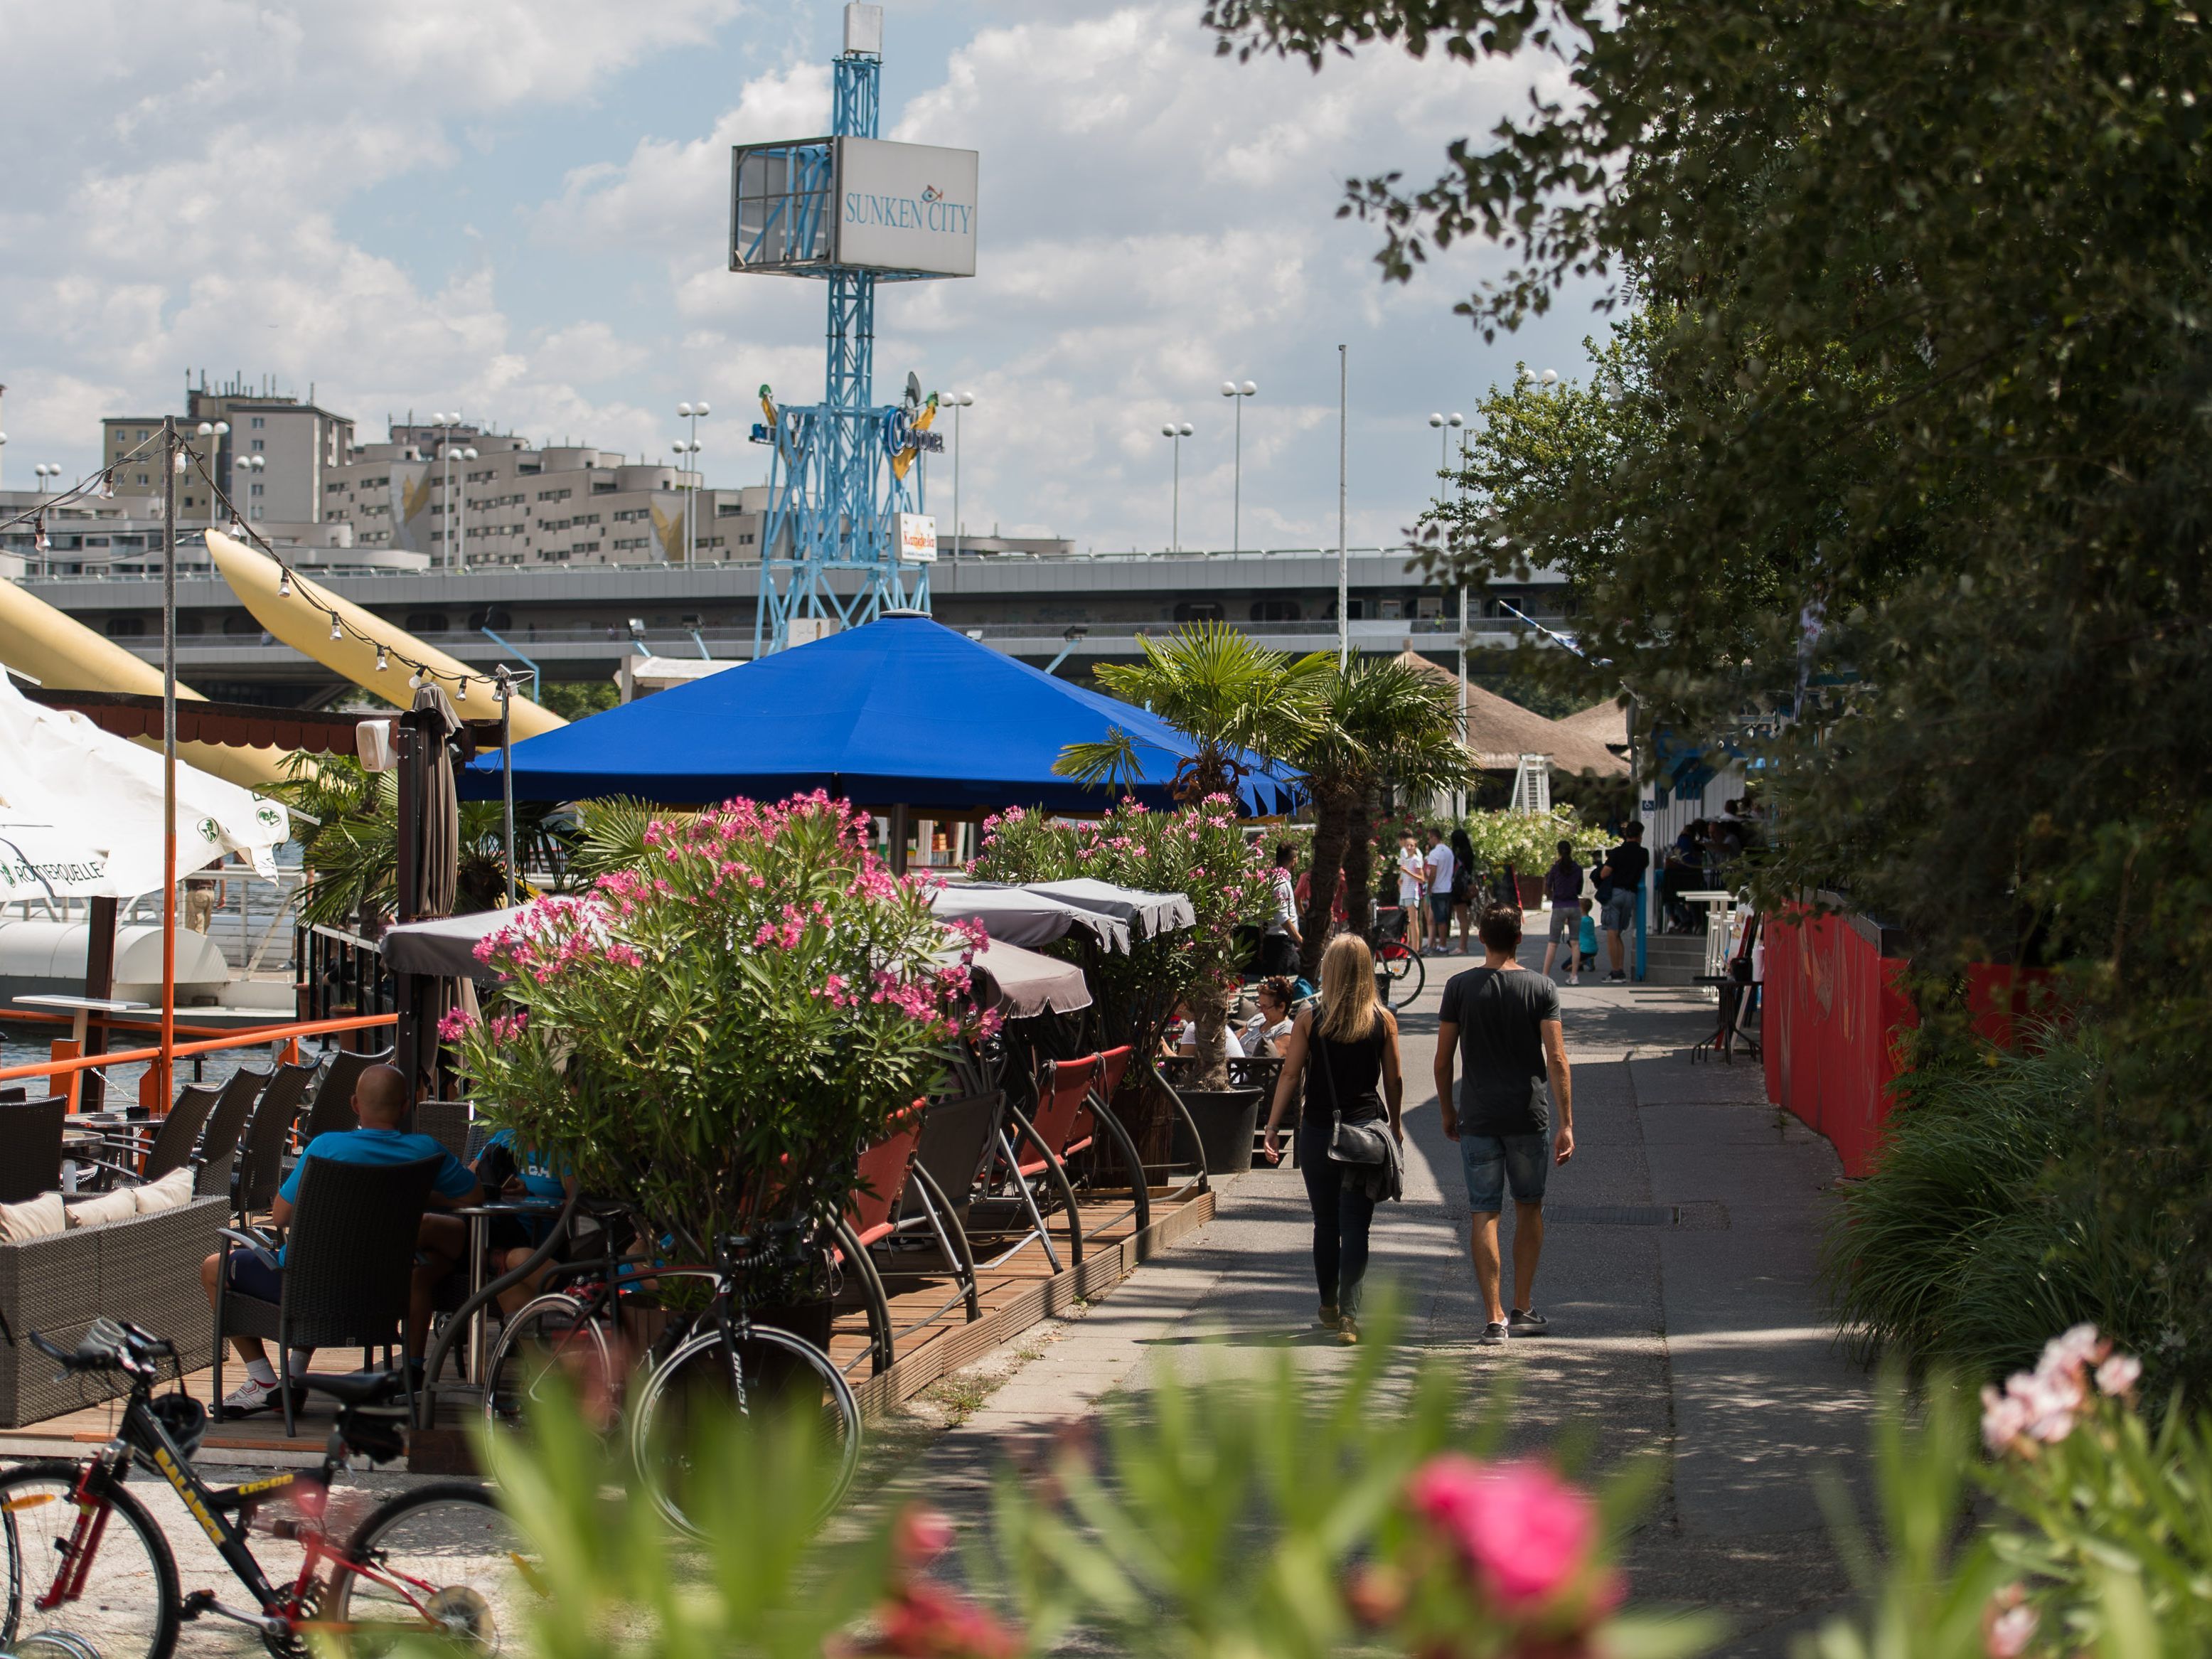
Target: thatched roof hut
point(1500, 730)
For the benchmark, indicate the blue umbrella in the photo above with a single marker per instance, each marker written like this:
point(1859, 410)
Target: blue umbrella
point(904, 711)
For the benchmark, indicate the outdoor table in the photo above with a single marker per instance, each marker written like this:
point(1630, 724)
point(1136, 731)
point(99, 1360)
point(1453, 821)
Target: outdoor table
point(83, 1008)
point(480, 1218)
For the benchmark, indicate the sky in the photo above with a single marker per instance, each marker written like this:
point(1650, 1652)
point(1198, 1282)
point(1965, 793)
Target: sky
point(517, 210)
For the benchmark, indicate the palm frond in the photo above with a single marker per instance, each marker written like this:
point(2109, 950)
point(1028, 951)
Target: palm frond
point(1111, 763)
point(610, 834)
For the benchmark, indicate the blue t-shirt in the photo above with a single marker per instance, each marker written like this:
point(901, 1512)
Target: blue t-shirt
point(383, 1146)
point(1588, 936)
point(536, 1172)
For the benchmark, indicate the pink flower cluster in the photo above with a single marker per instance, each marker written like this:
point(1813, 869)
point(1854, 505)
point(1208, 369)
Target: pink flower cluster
point(549, 934)
point(1525, 1534)
point(922, 1618)
point(2041, 1406)
point(2007, 1624)
point(457, 1023)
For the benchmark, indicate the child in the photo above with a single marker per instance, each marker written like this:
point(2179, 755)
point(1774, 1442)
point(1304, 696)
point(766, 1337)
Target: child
point(1586, 946)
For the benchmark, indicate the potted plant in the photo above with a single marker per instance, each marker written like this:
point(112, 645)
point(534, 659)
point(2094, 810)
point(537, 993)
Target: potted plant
point(1199, 851)
point(715, 1032)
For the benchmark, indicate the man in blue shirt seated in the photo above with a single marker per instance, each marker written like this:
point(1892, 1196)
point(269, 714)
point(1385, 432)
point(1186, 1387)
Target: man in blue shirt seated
point(380, 1102)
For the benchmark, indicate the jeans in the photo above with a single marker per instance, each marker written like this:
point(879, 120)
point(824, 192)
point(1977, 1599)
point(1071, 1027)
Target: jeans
point(1495, 1163)
point(1341, 1213)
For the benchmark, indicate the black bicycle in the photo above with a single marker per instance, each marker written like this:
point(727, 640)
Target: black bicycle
point(702, 1369)
point(90, 1573)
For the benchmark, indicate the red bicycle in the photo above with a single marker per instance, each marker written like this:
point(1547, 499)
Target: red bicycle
point(90, 1574)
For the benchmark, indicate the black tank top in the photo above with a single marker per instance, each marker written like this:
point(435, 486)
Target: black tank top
point(1355, 1070)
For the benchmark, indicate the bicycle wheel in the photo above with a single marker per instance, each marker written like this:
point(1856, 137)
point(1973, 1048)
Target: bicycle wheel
point(785, 1379)
point(551, 1337)
point(123, 1603)
point(442, 1561)
point(1407, 973)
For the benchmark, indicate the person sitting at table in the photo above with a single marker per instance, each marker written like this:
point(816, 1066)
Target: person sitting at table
point(379, 1103)
point(1186, 1042)
point(513, 1239)
point(1276, 998)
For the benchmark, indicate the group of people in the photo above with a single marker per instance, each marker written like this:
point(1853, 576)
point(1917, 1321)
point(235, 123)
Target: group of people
point(1436, 887)
point(1511, 1114)
point(1700, 859)
point(1577, 917)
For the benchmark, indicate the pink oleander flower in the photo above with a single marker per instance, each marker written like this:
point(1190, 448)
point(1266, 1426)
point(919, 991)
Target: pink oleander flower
point(2007, 1624)
point(2119, 1374)
point(457, 1023)
point(1526, 1534)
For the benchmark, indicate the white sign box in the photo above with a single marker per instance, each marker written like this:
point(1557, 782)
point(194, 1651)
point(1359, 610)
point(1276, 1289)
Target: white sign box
point(917, 539)
point(905, 207)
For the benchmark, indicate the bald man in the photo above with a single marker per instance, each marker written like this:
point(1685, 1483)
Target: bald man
point(379, 1105)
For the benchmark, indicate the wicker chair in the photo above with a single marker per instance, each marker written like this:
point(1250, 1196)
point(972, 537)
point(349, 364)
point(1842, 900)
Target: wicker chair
point(330, 1112)
point(31, 1147)
point(446, 1122)
point(169, 1146)
point(349, 1267)
point(218, 1149)
point(261, 1154)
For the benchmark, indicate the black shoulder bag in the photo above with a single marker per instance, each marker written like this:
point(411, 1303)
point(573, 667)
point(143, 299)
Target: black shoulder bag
point(1361, 1140)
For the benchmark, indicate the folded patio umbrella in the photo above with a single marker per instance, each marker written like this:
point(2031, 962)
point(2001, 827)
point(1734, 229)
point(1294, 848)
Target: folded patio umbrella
point(1147, 914)
point(1022, 916)
point(81, 810)
point(1027, 984)
point(446, 946)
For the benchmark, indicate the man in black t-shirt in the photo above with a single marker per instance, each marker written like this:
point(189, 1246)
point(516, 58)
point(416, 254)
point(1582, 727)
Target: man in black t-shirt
point(1502, 1022)
point(1620, 878)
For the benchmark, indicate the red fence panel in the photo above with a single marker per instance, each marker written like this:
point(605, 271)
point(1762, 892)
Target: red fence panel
point(1836, 1015)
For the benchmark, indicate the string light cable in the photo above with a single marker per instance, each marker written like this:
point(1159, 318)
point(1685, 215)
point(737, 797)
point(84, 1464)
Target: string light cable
point(291, 581)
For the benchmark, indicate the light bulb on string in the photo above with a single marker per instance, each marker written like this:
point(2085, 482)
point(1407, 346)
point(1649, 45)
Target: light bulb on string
point(337, 632)
point(380, 663)
point(414, 682)
point(283, 583)
point(462, 695)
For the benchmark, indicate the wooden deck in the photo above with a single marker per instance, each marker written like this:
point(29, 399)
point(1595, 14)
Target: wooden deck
point(1018, 1293)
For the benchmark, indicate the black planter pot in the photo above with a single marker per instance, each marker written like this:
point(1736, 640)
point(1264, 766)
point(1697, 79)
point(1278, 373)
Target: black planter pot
point(1225, 1119)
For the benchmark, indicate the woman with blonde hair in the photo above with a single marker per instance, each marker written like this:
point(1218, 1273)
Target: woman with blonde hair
point(1346, 1053)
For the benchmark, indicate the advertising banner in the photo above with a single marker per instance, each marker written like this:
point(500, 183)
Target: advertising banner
point(917, 539)
point(906, 207)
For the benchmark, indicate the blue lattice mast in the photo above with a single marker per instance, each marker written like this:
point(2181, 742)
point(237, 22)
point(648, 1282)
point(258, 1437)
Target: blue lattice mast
point(854, 211)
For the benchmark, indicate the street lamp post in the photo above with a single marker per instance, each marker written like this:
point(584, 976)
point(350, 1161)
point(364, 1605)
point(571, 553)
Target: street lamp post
point(1230, 389)
point(246, 466)
point(214, 433)
point(1176, 434)
point(46, 469)
point(960, 400)
point(694, 413)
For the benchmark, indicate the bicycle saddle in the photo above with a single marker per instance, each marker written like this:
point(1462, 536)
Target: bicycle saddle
point(355, 1387)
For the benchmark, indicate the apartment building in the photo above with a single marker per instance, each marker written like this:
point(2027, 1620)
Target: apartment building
point(469, 498)
point(272, 462)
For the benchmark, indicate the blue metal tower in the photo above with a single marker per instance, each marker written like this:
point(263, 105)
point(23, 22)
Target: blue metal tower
point(841, 471)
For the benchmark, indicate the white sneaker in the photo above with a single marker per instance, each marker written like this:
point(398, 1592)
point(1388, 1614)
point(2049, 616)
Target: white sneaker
point(250, 1396)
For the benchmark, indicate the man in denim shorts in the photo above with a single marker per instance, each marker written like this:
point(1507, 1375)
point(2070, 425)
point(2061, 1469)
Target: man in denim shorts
point(1503, 1023)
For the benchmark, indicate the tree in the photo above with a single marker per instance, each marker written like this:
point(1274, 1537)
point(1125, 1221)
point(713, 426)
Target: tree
point(1379, 721)
point(1897, 474)
point(1234, 699)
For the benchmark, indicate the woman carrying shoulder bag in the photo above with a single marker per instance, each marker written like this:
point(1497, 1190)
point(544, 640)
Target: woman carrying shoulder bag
point(1346, 1053)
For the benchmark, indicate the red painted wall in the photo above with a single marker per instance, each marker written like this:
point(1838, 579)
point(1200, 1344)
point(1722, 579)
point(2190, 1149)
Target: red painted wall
point(1835, 1016)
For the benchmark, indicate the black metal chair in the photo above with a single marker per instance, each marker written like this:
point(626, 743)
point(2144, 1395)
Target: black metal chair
point(446, 1122)
point(349, 1269)
point(31, 1147)
point(330, 1112)
point(261, 1155)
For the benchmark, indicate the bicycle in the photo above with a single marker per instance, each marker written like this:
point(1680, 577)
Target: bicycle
point(1394, 959)
point(90, 1568)
point(695, 1369)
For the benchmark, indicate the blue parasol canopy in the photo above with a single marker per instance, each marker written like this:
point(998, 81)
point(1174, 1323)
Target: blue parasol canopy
point(902, 712)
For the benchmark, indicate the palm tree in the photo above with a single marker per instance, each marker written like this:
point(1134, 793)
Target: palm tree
point(1234, 700)
point(1380, 722)
point(1231, 697)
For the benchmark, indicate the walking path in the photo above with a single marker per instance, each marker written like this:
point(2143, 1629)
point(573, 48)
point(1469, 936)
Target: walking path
point(1699, 1332)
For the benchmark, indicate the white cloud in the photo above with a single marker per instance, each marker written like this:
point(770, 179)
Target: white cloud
point(419, 208)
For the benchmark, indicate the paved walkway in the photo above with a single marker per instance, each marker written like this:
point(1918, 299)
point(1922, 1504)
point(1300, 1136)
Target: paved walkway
point(1702, 1338)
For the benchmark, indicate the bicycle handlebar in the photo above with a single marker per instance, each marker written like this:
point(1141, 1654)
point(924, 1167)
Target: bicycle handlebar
point(109, 1344)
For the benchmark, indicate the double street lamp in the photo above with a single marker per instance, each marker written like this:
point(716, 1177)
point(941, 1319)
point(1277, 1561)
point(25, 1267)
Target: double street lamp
point(457, 517)
point(693, 413)
point(959, 400)
point(247, 466)
point(1176, 433)
point(1232, 390)
point(214, 432)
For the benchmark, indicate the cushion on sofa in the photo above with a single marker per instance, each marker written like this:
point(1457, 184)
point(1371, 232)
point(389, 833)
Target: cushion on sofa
point(108, 1206)
point(171, 1190)
point(34, 1217)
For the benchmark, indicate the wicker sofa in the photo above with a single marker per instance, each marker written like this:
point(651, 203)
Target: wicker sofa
point(144, 1268)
